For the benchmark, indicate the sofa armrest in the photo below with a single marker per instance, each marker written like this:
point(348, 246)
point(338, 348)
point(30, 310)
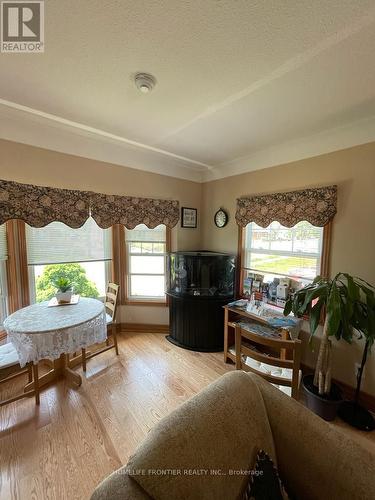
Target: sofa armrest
point(190, 453)
point(119, 486)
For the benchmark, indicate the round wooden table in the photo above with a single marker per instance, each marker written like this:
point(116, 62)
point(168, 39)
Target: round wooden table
point(41, 332)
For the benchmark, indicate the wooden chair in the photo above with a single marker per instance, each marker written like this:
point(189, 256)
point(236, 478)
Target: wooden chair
point(110, 303)
point(10, 369)
point(274, 365)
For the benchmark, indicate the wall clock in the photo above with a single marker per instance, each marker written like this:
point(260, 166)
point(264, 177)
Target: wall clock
point(221, 218)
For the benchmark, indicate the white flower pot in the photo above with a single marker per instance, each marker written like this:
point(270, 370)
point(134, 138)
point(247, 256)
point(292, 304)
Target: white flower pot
point(64, 297)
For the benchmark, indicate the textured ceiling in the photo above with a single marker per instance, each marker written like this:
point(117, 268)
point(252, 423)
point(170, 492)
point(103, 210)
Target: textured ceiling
point(235, 77)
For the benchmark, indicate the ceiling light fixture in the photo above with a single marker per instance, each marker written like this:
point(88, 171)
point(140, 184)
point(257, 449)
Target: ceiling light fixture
point(144, 82)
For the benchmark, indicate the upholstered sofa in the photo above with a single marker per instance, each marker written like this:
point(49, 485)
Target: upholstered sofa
point(203, 449)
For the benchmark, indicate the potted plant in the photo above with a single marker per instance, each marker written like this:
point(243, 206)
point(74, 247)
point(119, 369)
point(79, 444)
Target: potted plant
point(351, 411)
point(64, 290)
point(349, 306)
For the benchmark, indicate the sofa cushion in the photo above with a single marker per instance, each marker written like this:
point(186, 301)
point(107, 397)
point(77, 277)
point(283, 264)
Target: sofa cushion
point(193, 452)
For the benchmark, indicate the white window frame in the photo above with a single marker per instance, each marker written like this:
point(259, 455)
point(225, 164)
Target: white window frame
point(287, 253)
point(108, 270)
point(133, 299)
point(32, 282)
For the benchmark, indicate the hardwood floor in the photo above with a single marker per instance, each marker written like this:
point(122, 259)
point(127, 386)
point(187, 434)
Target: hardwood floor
point(77, 437)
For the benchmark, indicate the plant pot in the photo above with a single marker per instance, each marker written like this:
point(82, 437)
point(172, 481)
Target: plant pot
point(64, 297)
point(356, 416)
point(324, 406)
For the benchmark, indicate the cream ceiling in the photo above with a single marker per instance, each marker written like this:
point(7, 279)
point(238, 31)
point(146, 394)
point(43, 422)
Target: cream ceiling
point(242, 84)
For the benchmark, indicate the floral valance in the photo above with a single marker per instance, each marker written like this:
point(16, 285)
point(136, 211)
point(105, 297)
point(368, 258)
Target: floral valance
point(130, 211)
point(38, 206)
point(317, 206)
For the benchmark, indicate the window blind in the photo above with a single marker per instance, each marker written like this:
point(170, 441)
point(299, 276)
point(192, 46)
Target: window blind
point(143, 233)
point(57, 243)
point(3, 243)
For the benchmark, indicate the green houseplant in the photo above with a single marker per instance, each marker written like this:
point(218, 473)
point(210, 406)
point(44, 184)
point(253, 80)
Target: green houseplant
point(349, 306)
point(64, 289)
point(75, 273)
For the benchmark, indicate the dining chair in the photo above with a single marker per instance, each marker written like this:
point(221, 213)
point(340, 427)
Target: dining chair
point(110, 303)
point(276, 360)
point(10, 369)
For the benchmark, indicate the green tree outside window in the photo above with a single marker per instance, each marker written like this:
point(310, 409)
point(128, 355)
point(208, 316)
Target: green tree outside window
point(76, 275)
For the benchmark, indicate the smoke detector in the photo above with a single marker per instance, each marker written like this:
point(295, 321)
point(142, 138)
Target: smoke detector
point(144, 82)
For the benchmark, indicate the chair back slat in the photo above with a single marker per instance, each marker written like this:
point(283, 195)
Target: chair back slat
point(267, 341)
point(111, 299)
point(278, 346)
point(113, 286)
point(270, 360)
point(111, 296)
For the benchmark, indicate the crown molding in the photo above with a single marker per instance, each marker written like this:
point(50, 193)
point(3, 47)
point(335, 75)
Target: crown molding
point(328, 141)
point(29, 126)
point(26, 125)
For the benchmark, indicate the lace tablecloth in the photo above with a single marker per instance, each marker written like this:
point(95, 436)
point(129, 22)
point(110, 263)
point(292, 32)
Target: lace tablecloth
point(41, 332)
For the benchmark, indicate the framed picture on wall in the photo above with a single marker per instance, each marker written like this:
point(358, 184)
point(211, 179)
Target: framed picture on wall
point(188, 217)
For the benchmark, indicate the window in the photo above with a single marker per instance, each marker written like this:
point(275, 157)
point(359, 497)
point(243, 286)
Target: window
point(83, 255)
point(277, 251)
point(145, 250)
point(294, 252)
point(3, 275)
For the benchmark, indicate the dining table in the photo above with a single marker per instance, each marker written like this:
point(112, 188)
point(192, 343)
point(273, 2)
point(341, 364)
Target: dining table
point(46, 331)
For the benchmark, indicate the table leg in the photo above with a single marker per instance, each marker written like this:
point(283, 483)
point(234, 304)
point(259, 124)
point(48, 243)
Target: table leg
point(36, 384)
point(69, 374)
point(60, 369)
point(76, 360)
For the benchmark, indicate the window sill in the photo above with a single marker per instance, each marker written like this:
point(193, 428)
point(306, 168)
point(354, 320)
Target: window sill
point(146, 303)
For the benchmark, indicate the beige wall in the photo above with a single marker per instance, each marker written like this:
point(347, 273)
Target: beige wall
point(22, 163)
point(353, 241)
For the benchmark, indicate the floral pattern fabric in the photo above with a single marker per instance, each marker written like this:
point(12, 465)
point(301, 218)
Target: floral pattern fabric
point(317, 206)
point(130, 211)
point(40, 332)
point(38, 206)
